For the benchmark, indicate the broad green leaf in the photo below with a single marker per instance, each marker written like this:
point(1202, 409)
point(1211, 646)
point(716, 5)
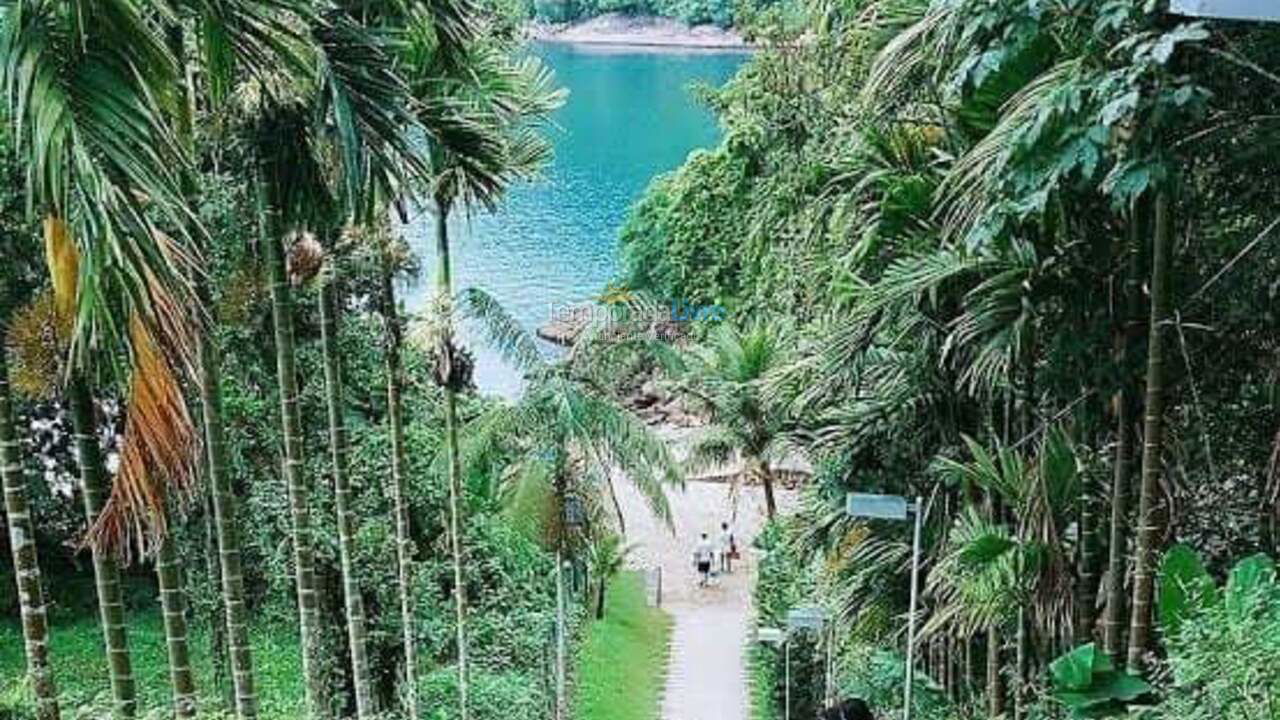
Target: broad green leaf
point(1185, 588)
point(1246, 578)
point(1074, 671)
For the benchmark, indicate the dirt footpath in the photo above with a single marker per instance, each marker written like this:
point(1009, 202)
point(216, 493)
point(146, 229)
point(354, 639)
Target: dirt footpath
point(707, 677)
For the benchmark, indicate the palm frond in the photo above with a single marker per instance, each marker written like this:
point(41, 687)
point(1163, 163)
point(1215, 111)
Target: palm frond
point(504, 333)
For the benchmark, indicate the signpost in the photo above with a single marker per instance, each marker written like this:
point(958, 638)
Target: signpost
point(799, 619)
point(895, 507)
point(1262, 10)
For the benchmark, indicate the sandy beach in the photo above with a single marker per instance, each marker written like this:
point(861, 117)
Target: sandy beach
point(639, 31)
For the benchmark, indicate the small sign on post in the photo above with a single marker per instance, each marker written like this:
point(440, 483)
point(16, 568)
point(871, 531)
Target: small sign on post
point(806, 618)
point(1262, 10)
point(770, 636)
point(880, 507)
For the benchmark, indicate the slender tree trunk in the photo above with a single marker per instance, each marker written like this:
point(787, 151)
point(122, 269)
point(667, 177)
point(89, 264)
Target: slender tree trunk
point(173, 606)
point(106, 572)
point(26, 563)
point(995, 680)
point(1022, 660)
point(1087, 591)
point(1117, 558)
point(444, 286)
point(1152, 439)
point(227, 532)
point(217, 645)
point(1117, 555)
point(604, 582)
point(295, 481)
point(765, 476)
point(404, 542)
point(356, 635)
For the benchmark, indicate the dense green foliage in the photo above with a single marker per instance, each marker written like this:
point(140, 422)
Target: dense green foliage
point(509, 580)
point(750, 17)
point(1023, 255)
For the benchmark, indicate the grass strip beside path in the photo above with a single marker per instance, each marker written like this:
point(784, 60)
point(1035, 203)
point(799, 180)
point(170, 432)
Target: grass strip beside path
point(622, 664)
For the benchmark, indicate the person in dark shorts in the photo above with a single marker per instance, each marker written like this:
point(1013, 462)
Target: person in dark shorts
point(703, 555)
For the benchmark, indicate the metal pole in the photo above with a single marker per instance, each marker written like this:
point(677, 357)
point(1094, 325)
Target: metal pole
point(561, 650)
point(786, 714)
point(828, 686)
point(911, 616)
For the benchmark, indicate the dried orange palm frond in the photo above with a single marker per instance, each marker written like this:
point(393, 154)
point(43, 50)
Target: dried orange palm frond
point(63, 260)
point(158, 453)
point(38, 336)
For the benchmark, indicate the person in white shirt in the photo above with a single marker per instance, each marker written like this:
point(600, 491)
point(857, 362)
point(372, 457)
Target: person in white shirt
point(703, 555)
point(727, 548)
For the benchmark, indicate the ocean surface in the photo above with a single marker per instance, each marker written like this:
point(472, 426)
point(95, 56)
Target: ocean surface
point(629, 117)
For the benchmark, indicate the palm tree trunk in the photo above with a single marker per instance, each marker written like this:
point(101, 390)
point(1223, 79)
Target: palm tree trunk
point(1087, 590)
point(765, 476)
point(444, 286)
point(227, 532)
point(995, 642)
point(404, 543)
point(995, 680)
point(26, 563)
point(1113, 624)
point(600, 597)
point(106, 572)
point(1117, 558)
point(356, 635)
point(217, 641)
point(299, 502)
point(1153, 440)
point(173, 606)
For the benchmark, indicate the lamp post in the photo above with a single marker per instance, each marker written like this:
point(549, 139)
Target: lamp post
point(1261, 10)
point(798, 620)
point(896, 507)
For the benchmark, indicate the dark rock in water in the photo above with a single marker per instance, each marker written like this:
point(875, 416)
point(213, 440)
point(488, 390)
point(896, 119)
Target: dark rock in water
point(566, 325)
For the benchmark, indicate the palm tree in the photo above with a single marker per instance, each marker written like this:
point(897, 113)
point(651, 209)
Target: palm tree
point(230, 565)
point(726, 379)
point(562, 444)
point(393, 344)
point(487, 109)
point(84, 84)
point(365, 123)
point(342, 501)
point(1148, 532)
point(18, 282)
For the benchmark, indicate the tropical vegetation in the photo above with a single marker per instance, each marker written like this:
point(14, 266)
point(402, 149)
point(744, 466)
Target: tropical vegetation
point(203, 214)
point(1020, 256)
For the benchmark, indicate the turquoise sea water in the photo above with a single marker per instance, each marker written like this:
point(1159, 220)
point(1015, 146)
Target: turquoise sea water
point(629, 116)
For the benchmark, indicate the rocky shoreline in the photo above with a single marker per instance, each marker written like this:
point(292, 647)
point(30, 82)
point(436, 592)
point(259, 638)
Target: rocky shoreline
point(639, 31)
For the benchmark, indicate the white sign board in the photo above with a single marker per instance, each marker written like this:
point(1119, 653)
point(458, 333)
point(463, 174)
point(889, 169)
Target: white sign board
point(880, 507)
point(806, 618)
point(770, 636)
point(1228, 9)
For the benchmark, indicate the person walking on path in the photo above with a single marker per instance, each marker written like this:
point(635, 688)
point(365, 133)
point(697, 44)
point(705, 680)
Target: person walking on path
point(727, 548)
point(703, 555)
